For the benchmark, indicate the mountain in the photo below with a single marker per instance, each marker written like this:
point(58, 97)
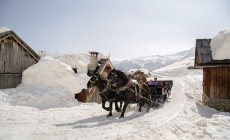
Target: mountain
point(153, 62)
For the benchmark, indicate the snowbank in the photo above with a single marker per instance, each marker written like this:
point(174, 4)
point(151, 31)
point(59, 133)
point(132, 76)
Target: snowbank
point(220, 45)
point(79, 61)
point(38, 96)
point(49, 83)
point(53, 73)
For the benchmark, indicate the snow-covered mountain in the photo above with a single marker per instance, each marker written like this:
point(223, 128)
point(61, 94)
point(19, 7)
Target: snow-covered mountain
point(153, 62)
point(178, 69)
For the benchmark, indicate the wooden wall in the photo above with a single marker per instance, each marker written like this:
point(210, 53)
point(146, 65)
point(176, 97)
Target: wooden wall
point(10, 80)
point(95, 97)
point(85, 96)
point(14, 59)
point(216, 82)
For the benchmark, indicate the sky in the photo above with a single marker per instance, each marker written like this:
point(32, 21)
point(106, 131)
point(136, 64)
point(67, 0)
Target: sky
point(121, 28)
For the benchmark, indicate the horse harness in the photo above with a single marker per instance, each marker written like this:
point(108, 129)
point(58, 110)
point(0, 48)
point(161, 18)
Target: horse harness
point(137, 89)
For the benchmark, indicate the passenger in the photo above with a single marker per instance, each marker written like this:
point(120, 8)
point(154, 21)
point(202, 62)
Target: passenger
point(159, 88)
point(155, 83)
point(150, 82)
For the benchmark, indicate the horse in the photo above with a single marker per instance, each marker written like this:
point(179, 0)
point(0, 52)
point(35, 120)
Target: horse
point(105, 93)
point(128, 91)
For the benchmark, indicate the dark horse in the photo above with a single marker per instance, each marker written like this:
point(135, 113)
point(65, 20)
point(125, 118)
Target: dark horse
point(128, 91)
point(105, 93)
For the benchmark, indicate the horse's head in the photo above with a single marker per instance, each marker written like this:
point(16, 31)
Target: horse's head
point(117, 78)
point(97, 80)
point(112, 77)
point(93, 81)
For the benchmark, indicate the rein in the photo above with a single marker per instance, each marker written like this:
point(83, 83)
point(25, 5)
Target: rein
point(127, 87)
point(107, 88)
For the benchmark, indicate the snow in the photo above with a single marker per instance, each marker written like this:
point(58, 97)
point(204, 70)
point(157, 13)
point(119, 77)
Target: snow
point(152, 62)
point(49, 83)
point(178, 69)
point(4, 29)
point(53, 73)
point(220, 45)
point(79, 61)
point(182, 117)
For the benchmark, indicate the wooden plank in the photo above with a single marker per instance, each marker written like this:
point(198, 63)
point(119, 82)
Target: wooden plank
point(212, 85)
point(25, 48)
point(228, 83)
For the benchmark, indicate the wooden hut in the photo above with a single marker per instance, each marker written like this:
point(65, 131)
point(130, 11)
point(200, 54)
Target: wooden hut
point(15, 57)
point(216, 77)
point(101, 67)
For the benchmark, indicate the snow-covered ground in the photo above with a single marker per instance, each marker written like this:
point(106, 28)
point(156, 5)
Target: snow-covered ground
point(182, 117)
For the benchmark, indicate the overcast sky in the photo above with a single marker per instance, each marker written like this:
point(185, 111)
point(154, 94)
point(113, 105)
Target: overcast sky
point(121, 28)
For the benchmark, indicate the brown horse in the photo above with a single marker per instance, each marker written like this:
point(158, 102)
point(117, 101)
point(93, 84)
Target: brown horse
point(105, 93)
point(128, 91)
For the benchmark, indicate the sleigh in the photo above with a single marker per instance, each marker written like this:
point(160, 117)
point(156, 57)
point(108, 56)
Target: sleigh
point(160, 94)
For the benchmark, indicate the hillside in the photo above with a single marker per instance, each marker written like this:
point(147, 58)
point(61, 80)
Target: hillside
point(178, 69)
point(153, 62)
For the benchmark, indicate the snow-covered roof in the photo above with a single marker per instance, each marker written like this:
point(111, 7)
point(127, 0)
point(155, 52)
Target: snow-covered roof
point(4, 29)
point(220, 45)
point(103, 64)
point(132, 71)
point(203, 54)
point(79, 61)
point(52, 72)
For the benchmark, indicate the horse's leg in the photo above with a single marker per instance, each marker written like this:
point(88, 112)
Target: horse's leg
point(111, 108)
point(141, 103)
point(148, 102)
point(116, 107)
point(124, 108)
point(103, 106)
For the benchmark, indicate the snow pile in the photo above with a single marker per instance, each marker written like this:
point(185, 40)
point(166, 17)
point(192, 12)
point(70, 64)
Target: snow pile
point(49, 83)
point(79, 61)
point(53, 73)
point(41, 97)
point(4, 29)
point(220, 45)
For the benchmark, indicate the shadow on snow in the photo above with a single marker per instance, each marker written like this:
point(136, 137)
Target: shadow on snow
point(102, 120)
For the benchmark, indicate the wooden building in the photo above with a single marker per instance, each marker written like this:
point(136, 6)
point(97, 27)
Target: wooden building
point(216, 77)
point(101, 67)
point(15, 57)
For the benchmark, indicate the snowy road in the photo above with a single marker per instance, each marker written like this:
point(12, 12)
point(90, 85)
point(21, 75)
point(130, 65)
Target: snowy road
point(180, 118)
